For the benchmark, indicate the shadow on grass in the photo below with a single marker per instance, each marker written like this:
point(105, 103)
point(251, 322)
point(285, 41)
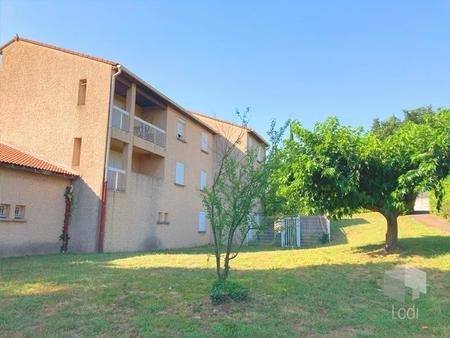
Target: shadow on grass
point(285, 301)
point(175, 301)
point(342, 223)
point(428, 246)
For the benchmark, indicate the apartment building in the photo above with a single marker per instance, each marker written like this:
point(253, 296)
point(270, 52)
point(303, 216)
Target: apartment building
point(137, 160)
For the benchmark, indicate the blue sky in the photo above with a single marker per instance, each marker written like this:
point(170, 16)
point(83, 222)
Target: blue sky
point(284, 59)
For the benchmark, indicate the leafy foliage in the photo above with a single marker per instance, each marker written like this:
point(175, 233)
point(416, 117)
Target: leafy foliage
point(339, 169)
point(235, 194)
point(224, 289)
point(444, 210)
point(386, 128)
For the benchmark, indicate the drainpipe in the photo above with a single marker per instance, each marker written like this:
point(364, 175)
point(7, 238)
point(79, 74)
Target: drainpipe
point(101, 228)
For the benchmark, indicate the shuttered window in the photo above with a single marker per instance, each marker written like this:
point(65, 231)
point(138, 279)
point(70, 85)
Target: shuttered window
point(181, 124)
point(201, 221)
point(259, 154)
point(203, 179)
point(179, 173)
point(204, 145)
point(250, 142)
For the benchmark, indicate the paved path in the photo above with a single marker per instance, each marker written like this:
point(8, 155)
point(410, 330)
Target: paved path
point(432, 221)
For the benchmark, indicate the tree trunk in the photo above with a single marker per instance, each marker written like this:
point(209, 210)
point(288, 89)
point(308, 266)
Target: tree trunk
point(392, 232)
point(217, 253)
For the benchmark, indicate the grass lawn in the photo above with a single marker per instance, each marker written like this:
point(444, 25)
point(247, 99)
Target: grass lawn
point(334, 290)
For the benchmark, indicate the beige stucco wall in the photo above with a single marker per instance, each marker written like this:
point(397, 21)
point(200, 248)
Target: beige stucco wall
point(131, 219)
point(43, 198)
point(39, 114)
point(229, 134)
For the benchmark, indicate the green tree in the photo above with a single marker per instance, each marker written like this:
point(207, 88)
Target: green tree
point(238, 185)
point(386, 128)
point(339, 169)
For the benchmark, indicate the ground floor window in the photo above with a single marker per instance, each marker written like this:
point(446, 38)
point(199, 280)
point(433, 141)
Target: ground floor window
point(4, 210)
point(202, 221)
point(19, 212)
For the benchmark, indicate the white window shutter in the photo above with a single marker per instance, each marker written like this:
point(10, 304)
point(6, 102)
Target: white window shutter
point(202, 221)
point(204, 141)
point(203, 179)
point(180, 128)
point(259, 154)
point(250, 142)
point(179, 173)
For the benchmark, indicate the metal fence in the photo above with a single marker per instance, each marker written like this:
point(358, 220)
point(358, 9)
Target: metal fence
point(290, 231)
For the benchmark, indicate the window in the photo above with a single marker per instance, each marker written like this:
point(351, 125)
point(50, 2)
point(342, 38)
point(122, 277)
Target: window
point(82, 88)
point(201, 221)
point(163, 218)
point(4, 210)
point(19, 212)
point(203, 179)
point(250, 142)
point(259, 154)
point(181, 125)
point(179, 173)
point(204, 145)
point(116, 159)
point(76, 154)
point(258, 219)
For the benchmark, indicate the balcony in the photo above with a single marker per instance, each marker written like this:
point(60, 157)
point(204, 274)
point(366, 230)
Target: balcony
point(142, 129)
point(149, 132)
point(116, 179)
point(120, 119)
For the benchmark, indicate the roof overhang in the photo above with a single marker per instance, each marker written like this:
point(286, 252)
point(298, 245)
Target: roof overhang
point(36, 171)
point(67, 51)
point(249, 130)
point(167, 100)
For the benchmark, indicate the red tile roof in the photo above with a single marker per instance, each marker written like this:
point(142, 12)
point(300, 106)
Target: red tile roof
point(17, 38)
point(14, 158)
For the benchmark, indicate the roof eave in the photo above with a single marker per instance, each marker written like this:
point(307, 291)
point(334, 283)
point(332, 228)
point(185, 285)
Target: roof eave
point(249, 130)
point(36, 171)
point(259, 137)
point(168, 100)
point(63, 50)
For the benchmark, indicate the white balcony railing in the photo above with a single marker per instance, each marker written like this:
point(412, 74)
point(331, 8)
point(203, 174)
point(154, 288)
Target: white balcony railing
point(116, 179)
point(120, 118)
point(149, 132)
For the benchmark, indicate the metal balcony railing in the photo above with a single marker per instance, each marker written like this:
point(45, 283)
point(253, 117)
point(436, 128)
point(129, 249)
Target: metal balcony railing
point(120, 119)
point(149, 132)
point(116, 179)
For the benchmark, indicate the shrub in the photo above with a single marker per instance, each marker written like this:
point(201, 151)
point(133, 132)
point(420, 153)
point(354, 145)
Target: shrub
point(218, 292)
point(445, 207)
point(236, 292)
point(223, 289)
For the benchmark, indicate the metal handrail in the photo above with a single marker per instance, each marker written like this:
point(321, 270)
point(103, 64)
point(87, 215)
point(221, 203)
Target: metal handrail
point(149, 132)
point(150, 125)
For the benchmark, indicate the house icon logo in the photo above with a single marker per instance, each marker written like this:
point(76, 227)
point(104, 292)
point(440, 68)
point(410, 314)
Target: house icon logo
point(399, 281)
